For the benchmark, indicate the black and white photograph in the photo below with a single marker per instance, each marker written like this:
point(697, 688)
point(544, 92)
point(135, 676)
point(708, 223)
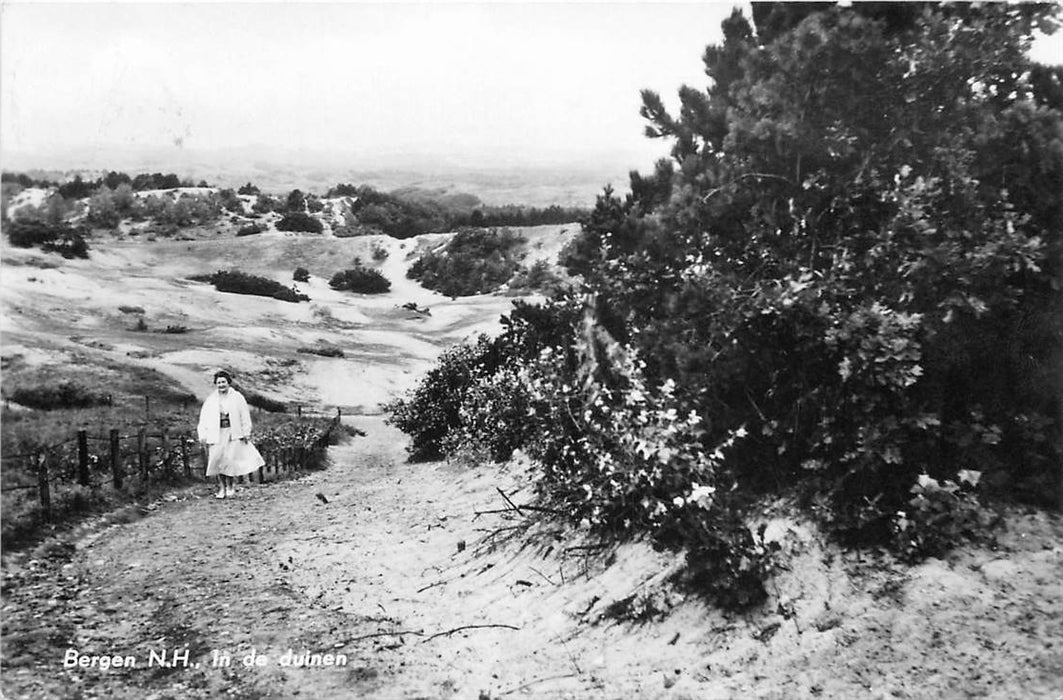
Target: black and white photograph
point(544, 350)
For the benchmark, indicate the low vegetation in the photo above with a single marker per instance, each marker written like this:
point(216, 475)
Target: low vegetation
point(300, 221)
point(538, 278)
point(238, 282)
point(65, 394)
point(412, 211)
point(250, 229)
point(360, 279)
point(474, 261)
point(63, 239)
point(322, 350)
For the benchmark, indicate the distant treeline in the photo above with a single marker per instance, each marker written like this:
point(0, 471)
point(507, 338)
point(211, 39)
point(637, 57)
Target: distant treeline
point(403, 213)
point(411, 212)
point(79, 188)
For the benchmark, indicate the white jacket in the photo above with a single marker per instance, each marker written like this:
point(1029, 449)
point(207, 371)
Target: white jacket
point(209, 428)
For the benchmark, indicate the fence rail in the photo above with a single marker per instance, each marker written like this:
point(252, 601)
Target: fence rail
point(156, 456)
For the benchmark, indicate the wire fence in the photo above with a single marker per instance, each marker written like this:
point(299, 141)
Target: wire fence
point(94, 461)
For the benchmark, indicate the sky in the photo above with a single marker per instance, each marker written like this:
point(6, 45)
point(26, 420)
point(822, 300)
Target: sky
point(532, 81)
point(516, 81)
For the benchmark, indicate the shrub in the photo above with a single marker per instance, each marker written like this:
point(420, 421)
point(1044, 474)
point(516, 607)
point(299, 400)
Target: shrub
point(238, 282)
point(940, 515)
point(296, 202)
point(77, 188)
point(156, 181)
point(492, 418)
point(433, 409)
point(58, 396)
point(540, 277)
point(322, 350)
point(349, 230)
point(131, 309)
point(301, 274)
point(230, 201)
point(380, 253)
point(264, 204)
point(362, 280)
point(248, 189)
point(443, 413)
point(300, 221)
point(65, 240)
point(250, 229)
point(475, 261)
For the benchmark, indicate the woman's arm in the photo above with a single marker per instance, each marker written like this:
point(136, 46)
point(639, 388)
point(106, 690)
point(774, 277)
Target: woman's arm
point(245, 415)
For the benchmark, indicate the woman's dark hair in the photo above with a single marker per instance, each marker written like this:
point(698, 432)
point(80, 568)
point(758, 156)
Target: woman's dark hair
point(223, 373)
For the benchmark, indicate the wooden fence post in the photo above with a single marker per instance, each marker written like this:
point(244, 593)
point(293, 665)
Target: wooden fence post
point(184, 457)
point(42, 483)
point(142, 452)
point(299, 411)
point(116, 462)
point(83, 457)
point(167, 458)
point(147, 406)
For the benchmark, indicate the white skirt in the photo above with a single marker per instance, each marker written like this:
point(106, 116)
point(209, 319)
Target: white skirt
point(232, 457)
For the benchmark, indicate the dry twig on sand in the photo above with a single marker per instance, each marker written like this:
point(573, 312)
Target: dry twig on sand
point(533, 682)
point(396, 633)
point(467, 627)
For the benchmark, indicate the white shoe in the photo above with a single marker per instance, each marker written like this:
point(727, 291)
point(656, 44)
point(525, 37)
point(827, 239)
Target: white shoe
point(230, 492)
point(220, 494)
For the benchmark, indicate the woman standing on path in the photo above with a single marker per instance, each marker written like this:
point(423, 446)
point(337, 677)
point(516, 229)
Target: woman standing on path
point(225, 427)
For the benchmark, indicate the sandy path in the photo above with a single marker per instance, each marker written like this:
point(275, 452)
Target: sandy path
point(376, 574)
point(198, 574)
point(279, 569)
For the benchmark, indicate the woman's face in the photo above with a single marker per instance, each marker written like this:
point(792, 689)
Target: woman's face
point(223, 384)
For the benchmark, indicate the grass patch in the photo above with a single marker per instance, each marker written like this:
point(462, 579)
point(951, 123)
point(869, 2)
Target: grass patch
point(57, 396)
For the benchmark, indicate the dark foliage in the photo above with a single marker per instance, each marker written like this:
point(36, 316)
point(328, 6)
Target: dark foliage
point(362, 280)
point(432, 414)
point(156, 181)
point(300, 221)
point(58, 396)
point(26, 181)
point(515, 215)
point(296, 202)
point(78, 188)
point(238, 282)
point(250, 229)
point(65, 240)
point(411, 211)
point(322, 350)
point(264, 204)
point(475, 261)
